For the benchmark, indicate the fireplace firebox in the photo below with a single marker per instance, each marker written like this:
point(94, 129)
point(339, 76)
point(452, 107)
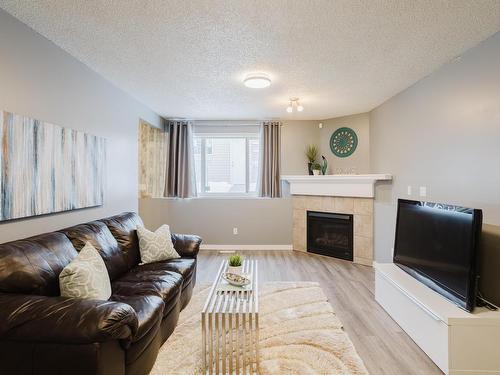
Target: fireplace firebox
point(330, 234)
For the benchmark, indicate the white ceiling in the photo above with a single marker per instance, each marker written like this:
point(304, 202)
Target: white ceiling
point(188, 58)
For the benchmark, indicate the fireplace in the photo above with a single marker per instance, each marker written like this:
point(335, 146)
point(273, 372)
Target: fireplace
point(330, 234)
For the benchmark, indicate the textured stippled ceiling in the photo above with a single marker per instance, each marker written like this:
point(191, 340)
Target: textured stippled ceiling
point(187, 58)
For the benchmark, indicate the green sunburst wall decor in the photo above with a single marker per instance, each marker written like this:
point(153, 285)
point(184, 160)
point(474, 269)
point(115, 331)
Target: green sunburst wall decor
point(343, 142)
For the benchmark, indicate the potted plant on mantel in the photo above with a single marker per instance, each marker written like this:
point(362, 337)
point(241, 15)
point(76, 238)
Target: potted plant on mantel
point(316, 168)
point(311, 155)
point(235, 264)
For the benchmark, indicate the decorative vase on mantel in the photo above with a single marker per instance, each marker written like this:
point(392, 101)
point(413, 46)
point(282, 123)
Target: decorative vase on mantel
point(309, 168)
point(324, 166)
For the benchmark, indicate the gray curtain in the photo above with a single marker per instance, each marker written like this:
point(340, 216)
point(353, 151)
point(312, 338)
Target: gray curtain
point(180, 164)
point(270, 184)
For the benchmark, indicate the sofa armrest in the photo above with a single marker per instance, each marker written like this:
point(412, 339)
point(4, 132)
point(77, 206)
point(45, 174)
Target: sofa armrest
point(187, 245)
point(64, 320)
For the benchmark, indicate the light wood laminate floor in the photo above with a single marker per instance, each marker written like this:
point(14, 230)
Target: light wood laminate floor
point(384, 347)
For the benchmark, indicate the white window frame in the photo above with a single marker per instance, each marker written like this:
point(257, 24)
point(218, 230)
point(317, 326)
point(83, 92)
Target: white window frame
point(247, 194)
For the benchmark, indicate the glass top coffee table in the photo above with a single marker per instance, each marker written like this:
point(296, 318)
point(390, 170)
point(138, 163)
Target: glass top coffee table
point(230, 325)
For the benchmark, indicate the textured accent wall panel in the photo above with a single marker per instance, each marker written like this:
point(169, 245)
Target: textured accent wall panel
point(153, 144)
point(45, 168)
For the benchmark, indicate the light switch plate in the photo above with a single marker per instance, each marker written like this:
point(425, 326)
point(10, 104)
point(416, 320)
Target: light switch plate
point(409, 190)
point(423, 191)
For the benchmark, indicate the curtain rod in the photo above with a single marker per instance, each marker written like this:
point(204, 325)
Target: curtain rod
point(225, 123)
point(222, 121)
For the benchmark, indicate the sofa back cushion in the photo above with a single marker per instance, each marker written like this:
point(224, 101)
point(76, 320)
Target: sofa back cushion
point(33, 265)
point(124, 229)
point(99, 236)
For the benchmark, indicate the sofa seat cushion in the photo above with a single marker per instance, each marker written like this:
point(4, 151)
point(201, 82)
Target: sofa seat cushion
point(149, 310)
point(164, 284)
point(183, 266)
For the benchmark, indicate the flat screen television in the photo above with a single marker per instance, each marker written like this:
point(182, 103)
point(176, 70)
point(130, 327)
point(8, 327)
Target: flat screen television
point(437, 244)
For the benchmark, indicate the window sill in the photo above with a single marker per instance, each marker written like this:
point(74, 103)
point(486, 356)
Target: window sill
point(223, 197)
point(228, 197)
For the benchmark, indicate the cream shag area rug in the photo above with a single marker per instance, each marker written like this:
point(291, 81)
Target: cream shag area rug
point(299, 334)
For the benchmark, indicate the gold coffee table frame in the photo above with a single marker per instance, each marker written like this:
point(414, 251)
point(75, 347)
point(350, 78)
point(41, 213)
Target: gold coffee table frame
point(230, 326)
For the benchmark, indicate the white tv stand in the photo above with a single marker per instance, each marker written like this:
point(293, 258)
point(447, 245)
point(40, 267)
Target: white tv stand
point(458, 342)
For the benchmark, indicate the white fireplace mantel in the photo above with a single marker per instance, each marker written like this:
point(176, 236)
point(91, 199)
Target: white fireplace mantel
point(355, 185)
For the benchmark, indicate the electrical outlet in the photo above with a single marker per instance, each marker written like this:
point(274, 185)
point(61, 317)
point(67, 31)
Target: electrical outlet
point(235, 231)
point(423, 191)
point(409, 190)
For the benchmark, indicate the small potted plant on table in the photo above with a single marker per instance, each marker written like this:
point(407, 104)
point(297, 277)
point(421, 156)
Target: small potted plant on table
point(235, 264)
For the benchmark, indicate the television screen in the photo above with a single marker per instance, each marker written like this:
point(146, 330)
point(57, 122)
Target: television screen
point(436, 244)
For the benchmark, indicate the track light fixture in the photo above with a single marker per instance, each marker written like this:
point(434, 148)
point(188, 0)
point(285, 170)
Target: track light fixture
point(294, 105)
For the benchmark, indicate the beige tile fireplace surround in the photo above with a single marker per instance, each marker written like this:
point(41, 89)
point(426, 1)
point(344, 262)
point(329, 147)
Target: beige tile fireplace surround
point(360, 208)
point(341, 194)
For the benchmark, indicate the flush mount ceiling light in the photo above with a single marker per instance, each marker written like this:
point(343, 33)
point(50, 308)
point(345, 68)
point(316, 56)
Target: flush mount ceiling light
point(257, 80)
point(294, 104)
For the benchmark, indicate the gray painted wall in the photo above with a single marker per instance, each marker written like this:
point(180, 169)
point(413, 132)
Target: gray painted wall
point(40, 80)
point(295, 136)
point(259, 221)
point(442, 133)
point(359, 162)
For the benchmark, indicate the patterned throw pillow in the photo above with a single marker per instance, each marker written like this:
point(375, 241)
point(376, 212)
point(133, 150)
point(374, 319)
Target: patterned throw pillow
point(86, 276)
point(156, 246)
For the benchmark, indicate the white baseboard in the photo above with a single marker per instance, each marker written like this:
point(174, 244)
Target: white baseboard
point(245, 247)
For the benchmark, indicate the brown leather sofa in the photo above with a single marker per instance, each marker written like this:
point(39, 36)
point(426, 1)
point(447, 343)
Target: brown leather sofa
point(44, 333)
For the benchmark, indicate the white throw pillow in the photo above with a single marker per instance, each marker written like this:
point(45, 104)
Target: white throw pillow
point(156, 246)
point(86, 276)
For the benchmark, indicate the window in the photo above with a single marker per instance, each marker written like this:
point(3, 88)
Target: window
point(226, 163)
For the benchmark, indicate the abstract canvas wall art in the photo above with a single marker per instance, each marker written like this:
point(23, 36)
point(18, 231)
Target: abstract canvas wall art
point(45, 168)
